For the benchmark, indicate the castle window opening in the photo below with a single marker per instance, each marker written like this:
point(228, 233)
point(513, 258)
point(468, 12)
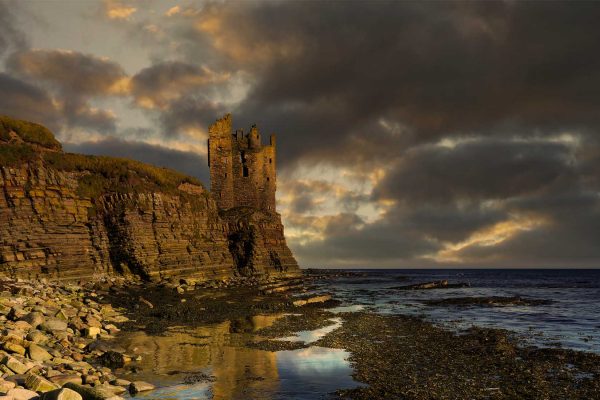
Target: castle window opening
point(270, 161)
point(267, 179)
point(245, 171)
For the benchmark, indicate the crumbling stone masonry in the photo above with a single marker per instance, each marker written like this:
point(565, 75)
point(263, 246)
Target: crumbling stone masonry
point(242, 170)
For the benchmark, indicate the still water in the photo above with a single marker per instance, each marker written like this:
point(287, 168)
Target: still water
point(211, 362)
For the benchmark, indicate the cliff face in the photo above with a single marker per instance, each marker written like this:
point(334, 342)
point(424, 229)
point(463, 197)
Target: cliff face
point(75, 217)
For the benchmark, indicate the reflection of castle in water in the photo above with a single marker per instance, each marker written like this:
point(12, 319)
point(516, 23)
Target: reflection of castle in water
point(239, 372)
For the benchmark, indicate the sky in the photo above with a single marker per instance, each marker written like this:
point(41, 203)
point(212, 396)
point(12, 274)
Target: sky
point(409, 134)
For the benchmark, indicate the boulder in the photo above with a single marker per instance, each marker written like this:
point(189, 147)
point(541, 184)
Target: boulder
point(62, 380)
point(37, 337)
point(39, 384)
point(89, 393)
point(34, 319)
point(15, 365)
point(22, 394)
point(38, 353)
point(61, 394)
point(5, 386)
point(54, 325)
point(140, 386)
point(91, 332)
point(14, 348)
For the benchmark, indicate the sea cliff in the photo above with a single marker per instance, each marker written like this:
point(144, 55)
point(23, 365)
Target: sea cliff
point(71, 217)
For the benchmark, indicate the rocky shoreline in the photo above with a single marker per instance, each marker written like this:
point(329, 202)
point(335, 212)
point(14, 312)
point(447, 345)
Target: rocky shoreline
point(62, 341)
point(51, 343)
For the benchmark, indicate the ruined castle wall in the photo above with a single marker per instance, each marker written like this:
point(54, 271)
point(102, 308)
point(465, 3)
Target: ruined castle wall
point(242, 170)
point(220, 162)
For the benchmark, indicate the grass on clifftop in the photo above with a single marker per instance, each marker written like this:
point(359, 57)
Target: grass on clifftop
point(29, 132)
point(99, 174)
point(111, 174)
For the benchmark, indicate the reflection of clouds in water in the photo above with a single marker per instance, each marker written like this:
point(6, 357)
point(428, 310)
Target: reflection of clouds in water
point(198, 391)
point(314, 335)
point(314, 359)
point(308, 373)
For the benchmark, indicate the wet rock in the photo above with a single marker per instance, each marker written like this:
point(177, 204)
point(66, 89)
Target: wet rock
point(140, 386)
point(311, 300)
point(89, 393)
point(61, 394)
point(121, 382)
point(113, 359)
point(492, 301)
point(146, 302)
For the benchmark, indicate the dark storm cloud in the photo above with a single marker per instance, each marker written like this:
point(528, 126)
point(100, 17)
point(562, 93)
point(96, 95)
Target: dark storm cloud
point(346, 244)
point(179, 93)
point(11, 38)
point(438, 68)
point(466, 119)
point(475, 171)
point(72, 72)
point(189, 111)
point(76, 78)
point(22, 100)
point(395, 84)
point(189, 163)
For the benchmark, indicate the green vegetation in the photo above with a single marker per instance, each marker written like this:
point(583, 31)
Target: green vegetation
point(12, 155)
point(110, 174)
point(98, 174)
point(29, 132)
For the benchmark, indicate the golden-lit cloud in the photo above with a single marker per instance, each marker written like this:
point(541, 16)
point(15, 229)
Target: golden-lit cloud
point(158, 86)
point(488, 237)
point(72, 72)
point(238, 43)
point(173, 11)
point(118, 10)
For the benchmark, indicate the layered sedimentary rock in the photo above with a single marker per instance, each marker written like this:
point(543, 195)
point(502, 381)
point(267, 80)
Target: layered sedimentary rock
point(257, 243)
point(75, 217)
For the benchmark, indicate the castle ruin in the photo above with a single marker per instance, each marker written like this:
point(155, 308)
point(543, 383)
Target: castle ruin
point(242, 170)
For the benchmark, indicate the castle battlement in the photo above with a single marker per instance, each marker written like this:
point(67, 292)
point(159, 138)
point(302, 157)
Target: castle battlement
point(242, 169)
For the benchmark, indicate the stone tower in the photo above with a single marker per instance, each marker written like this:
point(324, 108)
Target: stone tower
point(242, 170)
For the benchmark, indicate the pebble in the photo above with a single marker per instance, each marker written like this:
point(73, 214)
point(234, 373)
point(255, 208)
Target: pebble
point(47, 332)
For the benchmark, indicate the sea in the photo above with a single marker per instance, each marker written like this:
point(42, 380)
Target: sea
point(570, 320)
point(229, 370)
